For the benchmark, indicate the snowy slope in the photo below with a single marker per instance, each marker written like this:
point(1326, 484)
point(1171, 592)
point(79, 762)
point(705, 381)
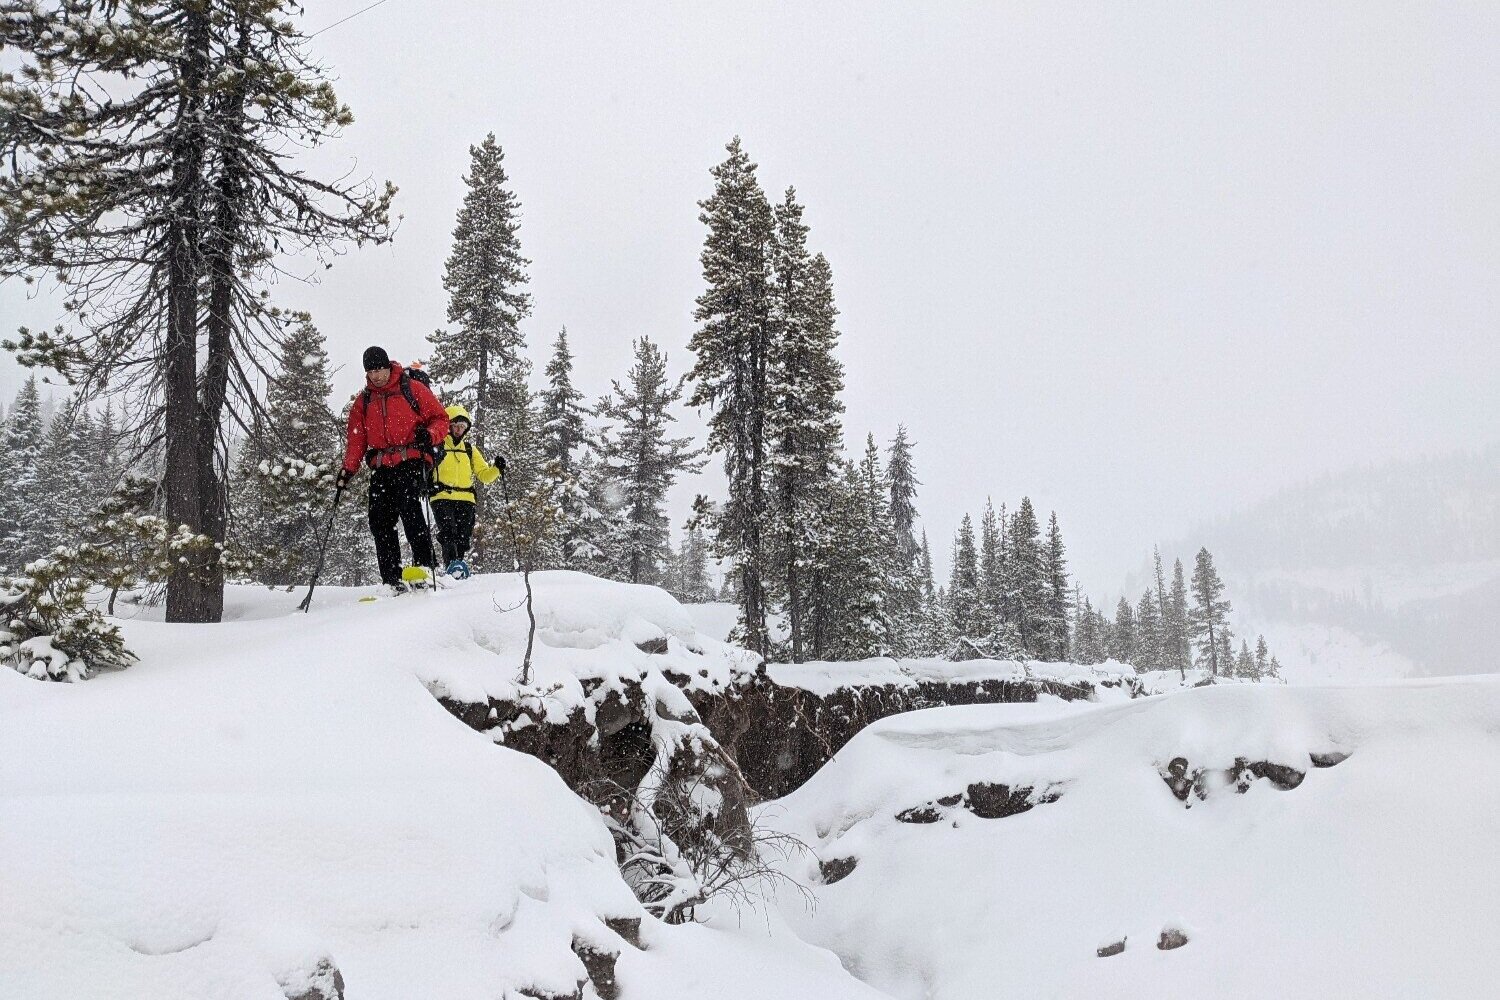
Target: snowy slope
point(1375, 877)
point(258, 795)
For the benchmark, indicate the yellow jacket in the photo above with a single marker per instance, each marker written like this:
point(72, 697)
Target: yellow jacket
point(460, 465)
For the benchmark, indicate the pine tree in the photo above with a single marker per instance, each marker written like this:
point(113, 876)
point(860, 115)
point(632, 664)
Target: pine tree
point(482, 362)
point(643, 461)
point(1148, 625)
point(21, 490)
point(1124, 638)
point(964, 606)
point(62, 496)
point(1244, 664)
point(1262, 658)
point(147, 146)
point(1026, 583)
point(564, 432)
point(1090, 635)
point(733, 345)
point(911, 580)
point(991, 570)
point(802, 428)
point(1058, 602)
point(692, 577)
point(1179, 631)
point(928, 581)
point(1210, 613)
point(847, 611)
point(282, 491)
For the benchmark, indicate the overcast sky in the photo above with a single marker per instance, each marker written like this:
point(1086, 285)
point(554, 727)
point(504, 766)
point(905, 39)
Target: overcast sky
point(1143, 262)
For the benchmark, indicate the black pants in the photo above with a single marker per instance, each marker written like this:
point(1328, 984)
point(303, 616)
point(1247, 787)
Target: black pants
point(455, 526)
point(396, 492)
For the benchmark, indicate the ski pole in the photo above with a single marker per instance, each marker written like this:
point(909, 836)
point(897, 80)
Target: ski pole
point(322, 550)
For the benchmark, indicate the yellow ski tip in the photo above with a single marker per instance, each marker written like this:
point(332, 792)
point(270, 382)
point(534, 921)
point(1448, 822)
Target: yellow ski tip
point(415, 574)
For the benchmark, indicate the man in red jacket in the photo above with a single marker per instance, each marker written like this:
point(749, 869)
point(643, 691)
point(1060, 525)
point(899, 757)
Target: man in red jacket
point(393, 424)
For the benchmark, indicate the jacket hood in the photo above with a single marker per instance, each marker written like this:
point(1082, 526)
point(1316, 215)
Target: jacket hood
point(458, 413)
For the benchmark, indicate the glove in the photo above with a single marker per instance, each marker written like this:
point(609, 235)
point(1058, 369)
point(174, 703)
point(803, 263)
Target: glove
point(422, 438)
point(500, 464)
point(342, 479)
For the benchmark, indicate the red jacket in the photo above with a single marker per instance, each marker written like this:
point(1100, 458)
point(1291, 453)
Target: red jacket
point(385, 428)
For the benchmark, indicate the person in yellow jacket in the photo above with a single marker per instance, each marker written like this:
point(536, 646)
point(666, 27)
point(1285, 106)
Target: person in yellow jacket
point(460, 468)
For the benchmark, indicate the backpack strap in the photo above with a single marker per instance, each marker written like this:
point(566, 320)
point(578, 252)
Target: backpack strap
point(411, 397)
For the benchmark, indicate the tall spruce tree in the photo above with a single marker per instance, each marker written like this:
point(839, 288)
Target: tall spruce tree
point(1210, 613)
point(1148, 624)
point(733, 345)
point(910, 584)
point(964, 606)
point(991, 569)
point(481, 361)
point(20, 490)
point(563, 435)
point(1058, 601)
point(280, 495)
point(1262, 658)
point(1123, 637)
point(691, 572)
point(802, 426)
point(1026, 581)
point(1180, 635)
point(643, 461)
point(148, 174)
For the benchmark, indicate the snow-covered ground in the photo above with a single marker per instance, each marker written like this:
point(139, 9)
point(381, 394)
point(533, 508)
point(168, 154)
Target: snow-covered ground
point(256, 795)
point(259, 795)
point(1375, 877)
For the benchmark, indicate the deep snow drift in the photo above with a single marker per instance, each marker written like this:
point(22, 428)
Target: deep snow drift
point(1373, 877)
point(258, 795)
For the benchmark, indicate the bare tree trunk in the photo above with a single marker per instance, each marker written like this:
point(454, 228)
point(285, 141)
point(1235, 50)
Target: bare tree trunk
point(187, 598)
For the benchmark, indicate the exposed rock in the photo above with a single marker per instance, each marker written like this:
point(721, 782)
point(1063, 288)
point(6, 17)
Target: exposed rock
point(600, 963)
point(628, 928)
point(1186, 781)
point(1111, 949)
point(837, 869)
point(323, 982)
point(655, 647)
point(920, 814)
point(989, 800)
point(1171, 937)
point(1328, 758)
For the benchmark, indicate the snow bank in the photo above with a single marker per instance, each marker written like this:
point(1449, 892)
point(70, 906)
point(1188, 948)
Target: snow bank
point(262, 795)
point(1374, 877)
point(824, 678)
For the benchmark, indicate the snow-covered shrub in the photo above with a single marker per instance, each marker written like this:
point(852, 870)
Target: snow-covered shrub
point(48, 630)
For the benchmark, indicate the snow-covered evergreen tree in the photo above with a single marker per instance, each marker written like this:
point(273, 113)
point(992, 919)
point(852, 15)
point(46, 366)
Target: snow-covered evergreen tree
point(1123, 638)
point(643, 461)
point(1026, 582)
point(991, 568)
point(847, 613)
point(1089, 635)
point(1244, 663)
point(63, 496)
point(733, 345)
point(20, 493)
point(910, 583)
point(964, 606)
point(802, 426)
point(1179, 633)
point(481, 361)
point(1262, 658)
point(1210, 613)
point(1148, 626)
point(282, 492)
point(564, 431)
point(690, 574)
point(1058, 600)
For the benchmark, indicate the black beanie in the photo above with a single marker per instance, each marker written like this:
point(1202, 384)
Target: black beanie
point(376, 359)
